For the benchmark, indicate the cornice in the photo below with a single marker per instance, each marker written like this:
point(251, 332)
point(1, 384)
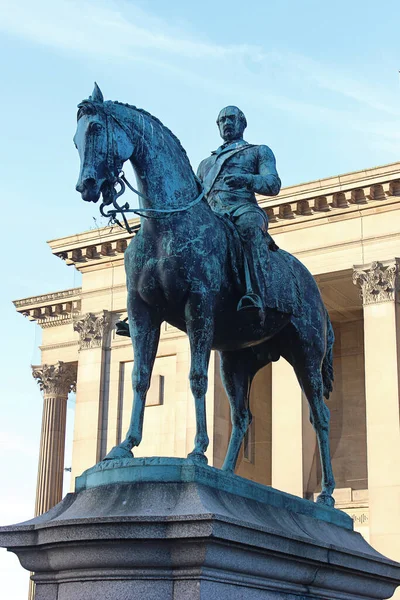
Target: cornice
point(338, 183)
point(94, 245)
point(44, 299)
point(335, 203)
point(295, 206)
point(51, 310)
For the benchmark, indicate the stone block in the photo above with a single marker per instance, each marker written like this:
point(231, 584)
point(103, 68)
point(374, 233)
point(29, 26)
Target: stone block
point(171, 529)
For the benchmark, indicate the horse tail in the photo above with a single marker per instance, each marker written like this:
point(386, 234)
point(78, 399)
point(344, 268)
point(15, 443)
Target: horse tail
point(327, 363)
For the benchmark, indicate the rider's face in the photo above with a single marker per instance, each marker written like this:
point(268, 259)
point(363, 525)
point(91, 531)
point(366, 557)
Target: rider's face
point(230, 125)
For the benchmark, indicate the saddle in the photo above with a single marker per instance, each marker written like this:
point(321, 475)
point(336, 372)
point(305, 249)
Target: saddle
point(282, 277)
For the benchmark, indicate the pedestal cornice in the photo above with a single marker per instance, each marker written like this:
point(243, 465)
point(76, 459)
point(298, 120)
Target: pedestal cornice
point(53, 309)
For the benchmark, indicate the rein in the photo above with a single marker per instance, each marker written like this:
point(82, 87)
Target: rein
point(147, 213)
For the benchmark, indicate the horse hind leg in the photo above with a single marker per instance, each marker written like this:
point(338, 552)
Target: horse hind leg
point(237, 377)
point(310, 379)
point(199, 321)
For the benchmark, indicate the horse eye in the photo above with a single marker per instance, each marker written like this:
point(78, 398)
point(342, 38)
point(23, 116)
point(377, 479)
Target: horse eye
point(95, 128)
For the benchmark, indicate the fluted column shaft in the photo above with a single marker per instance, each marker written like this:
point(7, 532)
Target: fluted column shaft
point(51, 457)
point(55, 381)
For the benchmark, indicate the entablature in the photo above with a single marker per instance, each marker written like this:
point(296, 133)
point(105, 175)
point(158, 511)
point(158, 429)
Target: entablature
point(94, 246)
point(295, 206)
point(56, 308)
point(360, 190)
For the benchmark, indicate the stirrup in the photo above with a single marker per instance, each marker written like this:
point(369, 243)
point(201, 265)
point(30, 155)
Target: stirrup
point(122, 328)
point(249, 302)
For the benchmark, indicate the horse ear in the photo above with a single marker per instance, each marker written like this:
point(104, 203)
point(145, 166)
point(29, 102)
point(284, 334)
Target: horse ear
point(96, 96)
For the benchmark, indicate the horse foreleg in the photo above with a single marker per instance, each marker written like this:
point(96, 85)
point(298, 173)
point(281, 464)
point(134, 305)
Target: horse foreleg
point(237, 376)
point(145, 336)
point(200, 329)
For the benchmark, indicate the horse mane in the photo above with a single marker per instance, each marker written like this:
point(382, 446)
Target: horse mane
point(82, 108)
point(156, 120)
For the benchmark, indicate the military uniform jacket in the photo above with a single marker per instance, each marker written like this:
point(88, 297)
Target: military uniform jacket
point(236, 158)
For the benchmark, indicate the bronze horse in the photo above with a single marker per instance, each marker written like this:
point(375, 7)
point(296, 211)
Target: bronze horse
point(182, 268)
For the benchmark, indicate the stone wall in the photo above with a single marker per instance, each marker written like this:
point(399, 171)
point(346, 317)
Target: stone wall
point(255, 464)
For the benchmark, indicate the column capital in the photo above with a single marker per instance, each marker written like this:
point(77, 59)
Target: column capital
point(379, 281)
point(92, 329)
point(55, 380)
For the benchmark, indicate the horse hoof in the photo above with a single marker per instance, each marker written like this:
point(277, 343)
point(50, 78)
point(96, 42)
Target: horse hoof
point(198, 457)
point(118, 452)
point(326, 499)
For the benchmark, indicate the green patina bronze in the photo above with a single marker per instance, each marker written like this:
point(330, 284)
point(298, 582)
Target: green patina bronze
point(203, 261)
point(179, 470)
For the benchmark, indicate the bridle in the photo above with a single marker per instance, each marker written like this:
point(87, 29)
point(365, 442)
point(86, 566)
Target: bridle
point(152, 213)
point(122, 181)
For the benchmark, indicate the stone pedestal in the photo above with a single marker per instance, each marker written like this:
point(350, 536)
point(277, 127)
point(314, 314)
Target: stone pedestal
point(168, 529)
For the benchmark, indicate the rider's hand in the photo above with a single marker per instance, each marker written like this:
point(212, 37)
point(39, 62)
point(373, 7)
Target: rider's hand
point(236, 181)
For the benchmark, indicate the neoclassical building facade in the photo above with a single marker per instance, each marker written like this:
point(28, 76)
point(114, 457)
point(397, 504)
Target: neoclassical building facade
point(346, 230)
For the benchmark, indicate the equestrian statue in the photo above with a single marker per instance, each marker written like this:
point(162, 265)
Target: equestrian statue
point(204, 262)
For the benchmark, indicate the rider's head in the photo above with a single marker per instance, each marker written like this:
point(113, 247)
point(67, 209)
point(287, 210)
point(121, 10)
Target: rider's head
point(231, 123)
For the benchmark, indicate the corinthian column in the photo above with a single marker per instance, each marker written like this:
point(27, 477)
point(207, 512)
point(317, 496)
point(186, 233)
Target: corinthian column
point(55, 381)
point(380, 285)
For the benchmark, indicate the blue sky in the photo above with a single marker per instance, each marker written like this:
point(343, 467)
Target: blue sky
point(317, 81)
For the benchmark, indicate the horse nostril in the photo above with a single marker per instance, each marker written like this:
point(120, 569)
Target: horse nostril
point(87, 184)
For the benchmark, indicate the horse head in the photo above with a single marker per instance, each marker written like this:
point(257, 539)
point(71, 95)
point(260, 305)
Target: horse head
point(103, 144)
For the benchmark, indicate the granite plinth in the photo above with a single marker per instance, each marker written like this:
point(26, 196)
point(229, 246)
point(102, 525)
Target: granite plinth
point(190, 539)
point(179, 470)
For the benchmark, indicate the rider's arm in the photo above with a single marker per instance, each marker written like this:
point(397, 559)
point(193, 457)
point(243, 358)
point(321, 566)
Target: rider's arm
point(267, 181)
point(200, 171)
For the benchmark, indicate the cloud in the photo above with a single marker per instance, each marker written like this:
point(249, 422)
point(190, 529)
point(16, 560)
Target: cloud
point(99, 28)
point(340, 82)
point(119, 29)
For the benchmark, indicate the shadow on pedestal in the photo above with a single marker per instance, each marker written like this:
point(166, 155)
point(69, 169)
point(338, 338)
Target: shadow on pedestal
point(168, 529)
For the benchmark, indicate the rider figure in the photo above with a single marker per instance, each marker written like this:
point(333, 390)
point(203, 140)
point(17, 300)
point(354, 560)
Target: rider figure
point(231, 176)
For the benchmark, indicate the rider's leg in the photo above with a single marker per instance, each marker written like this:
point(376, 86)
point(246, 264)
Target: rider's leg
point(252, 229)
